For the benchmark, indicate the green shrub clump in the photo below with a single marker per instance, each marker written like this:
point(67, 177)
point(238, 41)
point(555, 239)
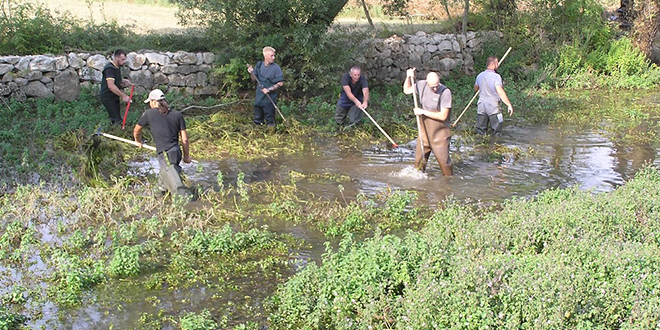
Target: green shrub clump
point(566, 259)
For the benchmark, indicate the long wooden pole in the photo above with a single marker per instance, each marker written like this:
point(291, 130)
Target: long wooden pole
point(394, 145)
point(477, 93)
point(128, 141)
point(419, 121)
point(146, 146)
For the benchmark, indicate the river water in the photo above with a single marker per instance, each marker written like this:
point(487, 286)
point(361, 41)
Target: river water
point(534, 159)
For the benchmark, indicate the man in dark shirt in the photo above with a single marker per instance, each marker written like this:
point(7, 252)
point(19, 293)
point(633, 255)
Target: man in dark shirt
point(354, 95)
point(165, 126)
point(269, 78)
point(110, 86)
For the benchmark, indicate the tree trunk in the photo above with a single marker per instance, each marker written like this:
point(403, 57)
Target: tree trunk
point(366, 13)
point(465, 16)
point(646, 23)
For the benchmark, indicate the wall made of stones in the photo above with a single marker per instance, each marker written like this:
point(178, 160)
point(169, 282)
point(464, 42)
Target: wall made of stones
point(383, 61)
point(63, 76)
point(386, 60)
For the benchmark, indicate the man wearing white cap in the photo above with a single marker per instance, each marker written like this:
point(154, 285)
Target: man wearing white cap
point(165, 126)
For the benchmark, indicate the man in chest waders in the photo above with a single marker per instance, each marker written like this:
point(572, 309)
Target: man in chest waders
point(489, 85)
point(165, 126)
point(435, 102)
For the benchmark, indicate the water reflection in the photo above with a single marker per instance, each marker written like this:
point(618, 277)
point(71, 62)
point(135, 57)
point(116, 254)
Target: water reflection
point(548, 158)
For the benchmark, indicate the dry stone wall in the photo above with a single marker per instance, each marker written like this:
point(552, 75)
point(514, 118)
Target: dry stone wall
point(386, 60)
point(63, 76)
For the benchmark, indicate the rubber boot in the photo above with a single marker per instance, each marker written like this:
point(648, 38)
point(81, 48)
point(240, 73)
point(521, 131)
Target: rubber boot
point(172, 181)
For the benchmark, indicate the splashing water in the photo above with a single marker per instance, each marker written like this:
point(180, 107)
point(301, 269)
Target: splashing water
point(410, 172)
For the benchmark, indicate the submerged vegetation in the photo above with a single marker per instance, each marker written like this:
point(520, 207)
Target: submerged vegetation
point(77, 225)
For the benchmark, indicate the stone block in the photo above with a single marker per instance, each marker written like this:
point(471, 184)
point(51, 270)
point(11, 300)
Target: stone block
point(12, 59)
point(135, 61)
point(142, 78)
point(4, 68)
point(169, 69)
point(208, 57)
point(23, 63)
point(76, 61)
point(97, 62)
point(42, 63)
point(66, 85)
point(182, 57)
point(156, 58)
point(161, 79)
point(183, 69)
point(37, 89)
point(61, 63)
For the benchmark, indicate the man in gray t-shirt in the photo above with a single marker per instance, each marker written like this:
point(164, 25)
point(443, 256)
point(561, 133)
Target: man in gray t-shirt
point(489, 85)
point(269, 78)
point(435, 102)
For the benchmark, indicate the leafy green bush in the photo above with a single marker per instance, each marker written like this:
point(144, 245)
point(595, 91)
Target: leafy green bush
point(224, 241)
point(567, 259)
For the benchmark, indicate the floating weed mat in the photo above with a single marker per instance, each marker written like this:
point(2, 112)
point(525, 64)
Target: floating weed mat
point(624, 119)
point(120, 237)
point(230, 134)
point(122, 246)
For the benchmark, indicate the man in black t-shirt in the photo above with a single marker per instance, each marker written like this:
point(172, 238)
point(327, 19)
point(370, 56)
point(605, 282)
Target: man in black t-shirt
point(165, 126)
point(110, 86)
point(354, 95)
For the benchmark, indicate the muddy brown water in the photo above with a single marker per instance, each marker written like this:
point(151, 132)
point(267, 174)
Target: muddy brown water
point(549, 158)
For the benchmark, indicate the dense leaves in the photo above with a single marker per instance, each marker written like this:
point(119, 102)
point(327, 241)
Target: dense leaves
point(567, 259)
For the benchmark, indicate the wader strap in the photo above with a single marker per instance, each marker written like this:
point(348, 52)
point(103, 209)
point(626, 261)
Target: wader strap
point(441, 89)
point(166, 156)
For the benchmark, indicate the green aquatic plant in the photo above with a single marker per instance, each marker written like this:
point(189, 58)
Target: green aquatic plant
point(10, 321)
point(565, 259)
point(198, 321)
point(125, 261)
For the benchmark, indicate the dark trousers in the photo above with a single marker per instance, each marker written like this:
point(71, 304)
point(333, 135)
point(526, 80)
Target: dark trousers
point(264, 112)
point(111, 104)
point(170, 157)
point(439, 135)
point(353, 113)
point(483, 121)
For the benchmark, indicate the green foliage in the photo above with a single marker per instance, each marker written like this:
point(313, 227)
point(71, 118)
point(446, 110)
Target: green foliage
point(71, 275)
point(15, 241)
point(224, 241)
point(10, 321)
point(125, 261)
point(567, 259)
point(615, 64)
point(198, 321)
point(311, 58)
point(233, 75)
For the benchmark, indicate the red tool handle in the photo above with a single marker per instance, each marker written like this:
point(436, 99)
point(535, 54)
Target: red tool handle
point(128, 105)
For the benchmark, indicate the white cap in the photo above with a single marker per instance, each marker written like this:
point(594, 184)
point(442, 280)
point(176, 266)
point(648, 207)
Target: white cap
point(155, 95)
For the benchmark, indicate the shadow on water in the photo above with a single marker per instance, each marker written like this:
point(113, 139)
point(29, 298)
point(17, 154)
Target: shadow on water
point(533, 159)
